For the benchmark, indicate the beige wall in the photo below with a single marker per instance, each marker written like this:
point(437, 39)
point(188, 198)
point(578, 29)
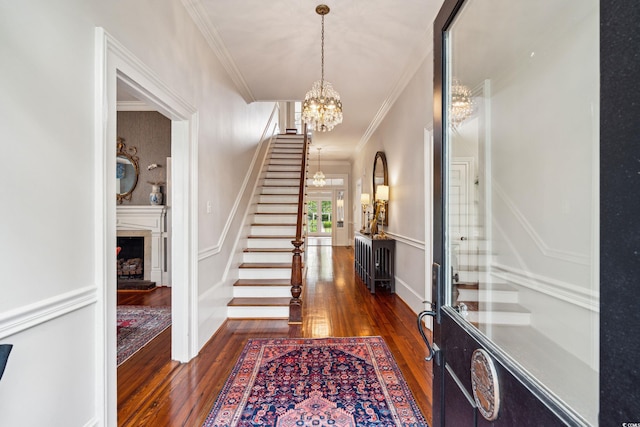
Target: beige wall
point(401, 136)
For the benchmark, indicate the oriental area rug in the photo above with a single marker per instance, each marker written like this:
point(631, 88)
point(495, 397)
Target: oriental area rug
point(137, 326)
point(315, 382)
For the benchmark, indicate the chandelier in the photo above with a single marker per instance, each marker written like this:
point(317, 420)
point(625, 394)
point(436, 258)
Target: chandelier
point(318, 177)
point(322, 108)
point(461, 105)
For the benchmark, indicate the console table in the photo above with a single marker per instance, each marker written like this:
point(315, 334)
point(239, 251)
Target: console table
point(375, 261)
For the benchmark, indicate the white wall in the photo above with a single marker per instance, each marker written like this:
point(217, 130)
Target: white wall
point(545, 139)
point(401, 137)
point(49, 289)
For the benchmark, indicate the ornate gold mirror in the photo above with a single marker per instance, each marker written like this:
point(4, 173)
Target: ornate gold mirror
point(380, 177)
point(127, 171)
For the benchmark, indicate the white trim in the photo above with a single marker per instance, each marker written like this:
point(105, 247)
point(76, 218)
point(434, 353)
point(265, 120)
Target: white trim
point(408, 288)
point(545, 249)
point(23, 318)
point(585, 298)
point(428, 218)
point(93, 422)
point(407, 240)
point(133, 106)
point(199, 15)
point(116, 65)
point(215, 249)
point(424, 47)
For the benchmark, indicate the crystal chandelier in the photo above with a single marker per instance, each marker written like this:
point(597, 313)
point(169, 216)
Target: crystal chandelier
point(461, 105)
point(322, 108)
point(318, 178)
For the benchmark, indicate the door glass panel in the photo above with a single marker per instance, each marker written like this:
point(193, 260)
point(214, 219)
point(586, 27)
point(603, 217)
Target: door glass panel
point(522, 92)
point(320, 214)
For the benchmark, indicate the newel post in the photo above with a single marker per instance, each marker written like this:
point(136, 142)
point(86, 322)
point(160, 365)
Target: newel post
point(295, 305)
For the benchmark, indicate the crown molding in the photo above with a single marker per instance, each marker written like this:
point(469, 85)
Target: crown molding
point(211, 35)
point(423, 47)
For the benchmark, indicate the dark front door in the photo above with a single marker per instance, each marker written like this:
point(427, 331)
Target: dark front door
point(516, 234)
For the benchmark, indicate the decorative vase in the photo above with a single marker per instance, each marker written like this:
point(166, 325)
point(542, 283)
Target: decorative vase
point(155, 197)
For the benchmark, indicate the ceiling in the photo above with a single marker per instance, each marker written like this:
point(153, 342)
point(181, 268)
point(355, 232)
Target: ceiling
point(272, 52)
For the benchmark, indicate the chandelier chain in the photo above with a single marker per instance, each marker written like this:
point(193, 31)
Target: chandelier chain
point(322, 57)
point(322, 108)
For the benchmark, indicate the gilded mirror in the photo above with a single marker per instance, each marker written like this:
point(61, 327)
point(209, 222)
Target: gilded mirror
point(127, 171)
point(380, 177)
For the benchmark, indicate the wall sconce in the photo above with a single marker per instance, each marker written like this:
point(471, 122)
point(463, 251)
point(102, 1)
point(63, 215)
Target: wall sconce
point(364, 202)
point(382, 197)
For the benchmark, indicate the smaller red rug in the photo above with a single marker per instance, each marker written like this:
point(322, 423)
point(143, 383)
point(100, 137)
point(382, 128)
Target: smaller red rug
point(137, 326)
point(315, 382)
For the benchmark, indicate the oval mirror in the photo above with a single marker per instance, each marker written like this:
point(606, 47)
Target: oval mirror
point(380, 177)
point(127, 171)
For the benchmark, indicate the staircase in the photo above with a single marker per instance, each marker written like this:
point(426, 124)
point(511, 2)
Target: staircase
point(263, 290)
point(483, 299)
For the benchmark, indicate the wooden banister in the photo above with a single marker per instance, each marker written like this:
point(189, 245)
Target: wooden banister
point(295, 305)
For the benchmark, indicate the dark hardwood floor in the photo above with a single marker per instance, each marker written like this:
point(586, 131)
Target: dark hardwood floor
point(155, 391)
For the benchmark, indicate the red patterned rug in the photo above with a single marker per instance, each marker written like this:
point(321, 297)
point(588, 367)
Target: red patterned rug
point(315, 382)
point(137, 325)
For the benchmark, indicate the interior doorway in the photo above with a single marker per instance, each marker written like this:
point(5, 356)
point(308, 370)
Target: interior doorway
point(115, 66)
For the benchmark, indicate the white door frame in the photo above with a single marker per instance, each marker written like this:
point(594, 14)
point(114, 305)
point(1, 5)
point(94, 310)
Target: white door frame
point(114, 63)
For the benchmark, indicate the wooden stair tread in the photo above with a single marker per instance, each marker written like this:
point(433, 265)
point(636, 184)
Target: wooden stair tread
point(265, 265)
point(281, 177)
point(276, 213)
point(262, 302)
point(272, 237)
point(268, 224)
point(262, 282)
point(467, 285)
point(277, 203)
point(263, 250)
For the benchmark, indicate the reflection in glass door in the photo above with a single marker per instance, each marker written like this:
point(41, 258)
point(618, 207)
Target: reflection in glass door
point(520, 144)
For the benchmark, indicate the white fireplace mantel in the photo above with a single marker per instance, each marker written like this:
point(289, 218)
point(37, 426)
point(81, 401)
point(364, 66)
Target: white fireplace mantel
point(151, 219)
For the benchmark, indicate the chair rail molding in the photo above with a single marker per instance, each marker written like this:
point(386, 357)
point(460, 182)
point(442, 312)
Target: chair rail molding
point(28, 316)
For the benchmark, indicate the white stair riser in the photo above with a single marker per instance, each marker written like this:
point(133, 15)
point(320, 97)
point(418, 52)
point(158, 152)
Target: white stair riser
point(499, 318)
point(472, 245)
point(276, 257)
point(280, 155)
point(293, 182)
point(273, 230)
point(276, 208)
point(281, 190)
point(474, 276)
point(283, 174)
point(284, 168)
point(258, 312)
point(488, 295)
point(265, 273)
point(275, 219)
point(278, 198)
point(270, 243)
point(262, 291)
point(292, 153)
point(468, 276)
point(474, 259)
point(294, 164)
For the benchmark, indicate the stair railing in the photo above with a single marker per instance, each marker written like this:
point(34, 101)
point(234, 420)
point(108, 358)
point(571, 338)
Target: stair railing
point(295, 304)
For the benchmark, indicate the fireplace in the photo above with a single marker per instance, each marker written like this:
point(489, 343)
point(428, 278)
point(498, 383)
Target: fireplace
point(130, 258)
point(146, 224)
